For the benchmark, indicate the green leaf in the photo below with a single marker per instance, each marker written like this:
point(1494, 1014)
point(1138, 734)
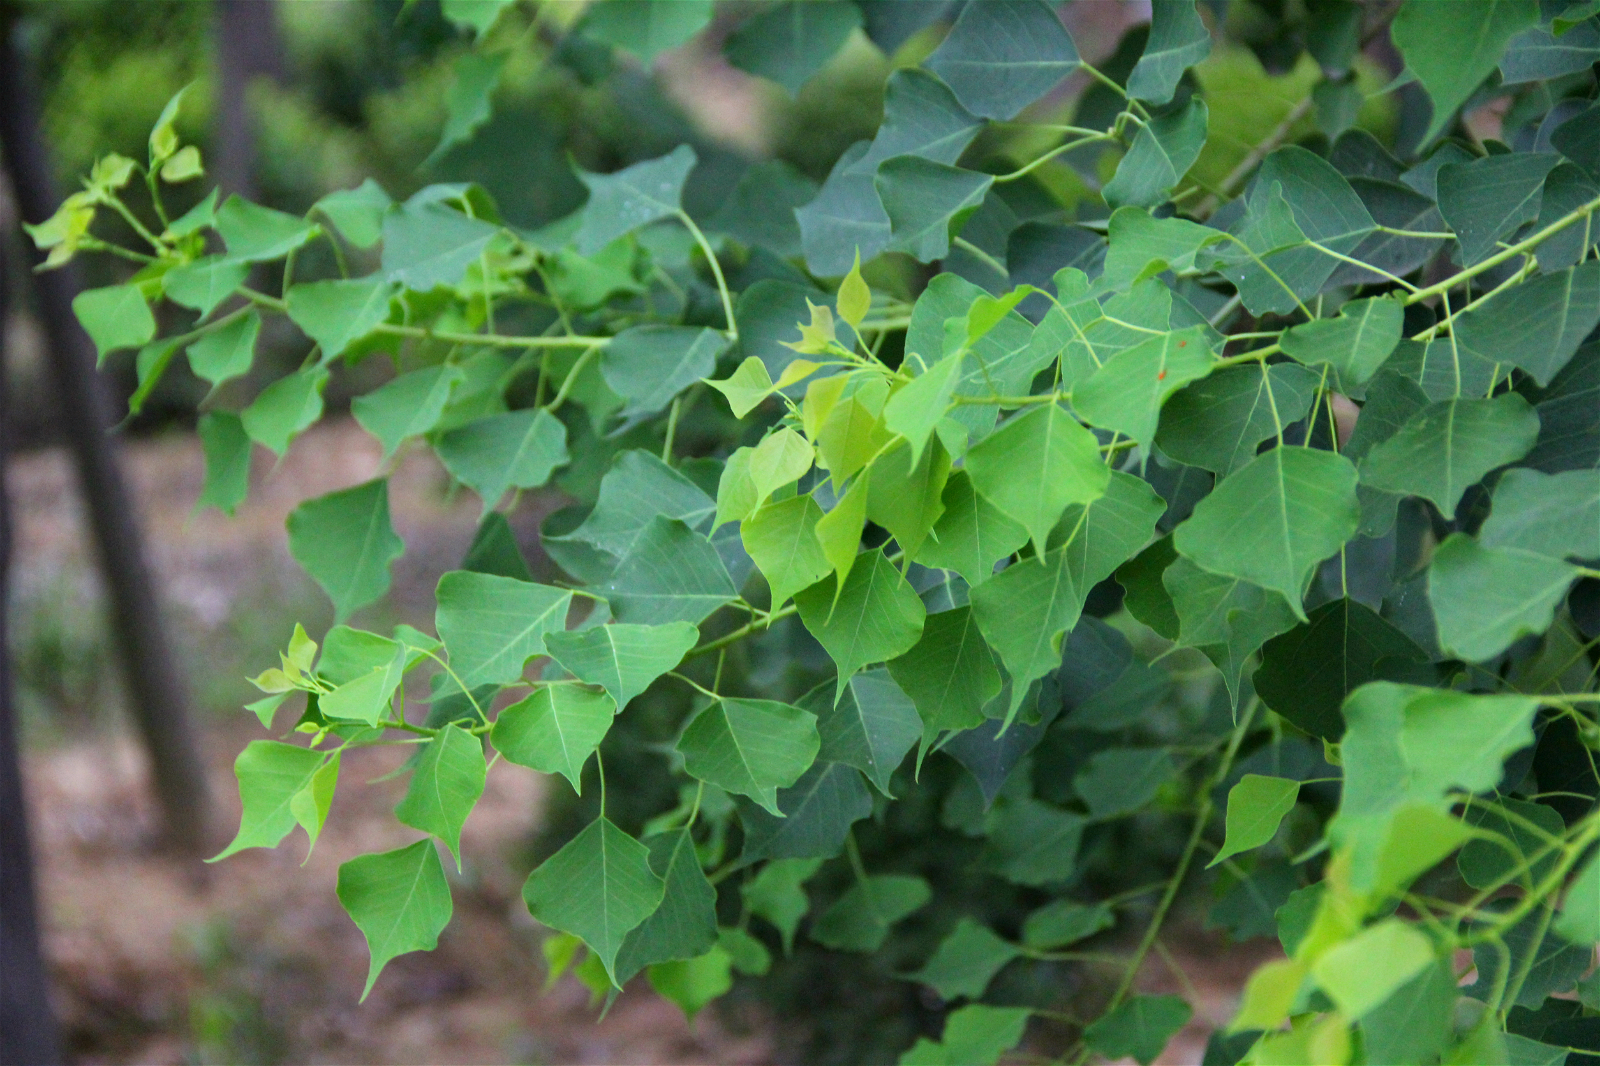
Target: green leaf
point(1536, 54)
point(860, 919)
point(1354, 345)
point(782, 539)
point(971, 534)
point(407, 406)
point(1538, 325)
point(635, 196)
point(226, 353)
point(445, 786)
point(1162, 153)
point(1527, 828)
point(1274, 520)
point(875, 616)
point(1037, 465)
point(1446, 448)
point(286, 408)
point(1140, 1027)
point(476, 15)
point(635, 490)
point(204, 283)
point(927, 203)
point(270, 775)
point(623, 659)
point(1359, 974)
point(426, 244)
point(345, 541)
point(1552, 514)
point(839, 532)
point(966, 961)
point(1178, 41)
point(1218, 422)
point(1414, 1025)
point(1225, 617)
point(255, 234)
point(645, 27)
point(357, 213)
point(950, 673)
point(684, 926)
point(1144, 595)
point(1033, 843)
point(350, 653)
point(311, 804)
point(494, 550)
point(1119, 781)
point(555, 730)
point(1062, 922)
point(905, 499)
point(694, 983)
point(1485, 598)
point(115, 317)
point(1002, 55)
point(335, 314)
point(227, 450)
point(366, 696)
point(670, 574)
point(493, 625)
point(789, 42)
point(974, 1035)
point(1451, 51)
point(515, 450)
point(817, 812)
point(746, 387)
point(469, 100)
point(777, 895)
point(870, 727)
point(1256, 807)
point(1141, 247)
point(1579, 920)
point(1307, 672)
point(399, 900)
point(1487, 199)
point(598, 888)
point(1126, 393)
point(649, 365)
point(750, 747)
point(1566, 190)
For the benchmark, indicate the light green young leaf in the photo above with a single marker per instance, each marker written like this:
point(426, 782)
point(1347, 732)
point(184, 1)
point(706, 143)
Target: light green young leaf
point(927, 203)
point(750, 747)
point(782, 539)
point(1002, 55)
point(1218, 422)
point(684, 926)
point(493, 625)
point(1446, 448)
point(227, 450)
point(515, 450)
point(777, 894)
point(204, 283)
point(875, 616)
point(345, 541)
point(1452, 51)
point(366, 696)
point(1127, 392)
point(115, 317)
point(1355, 344)
point(974, 1035)
point(781, 458)
point(950, 673)
point(1579, 920)
point(1485, 598)
point(228, 352)
point(1552, 514)
point(634, 196)
point(337, 313)
point(445, 786)
point(839, 531)
point(286, 408)
point(1140, 1027)
point(746, 387)
point(907, 499)
point(916, 409)
point(649, 365)
point(399, 900)
point(694, 983)
point(556, 729)
point(1035, 466)
point(406, 406)
point(256, 234)
point(270, 775)
point(645, 27)
point(789, 42)
point(1178, 40)
point(311, 804)
point(357, 213)
point(966, 961)
point(670, 574)
point(623, 659)
point(163, 137)
point(349, 653)
point(1274, 520)
point(1364, 971)
point(1256, 807)
point(860, 919)
point(736, 489)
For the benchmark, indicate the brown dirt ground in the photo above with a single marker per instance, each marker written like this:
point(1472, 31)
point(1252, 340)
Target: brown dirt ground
point(162, 959)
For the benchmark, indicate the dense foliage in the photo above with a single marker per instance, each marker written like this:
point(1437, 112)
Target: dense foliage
point(1232, 466)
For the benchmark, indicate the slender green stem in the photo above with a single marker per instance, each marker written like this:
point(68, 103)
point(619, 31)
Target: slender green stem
point(716, 272)
point(572, 377)
point(1504, 254)
point(982, 256)
point(1029, 168)
point(754, 626)
point(672, 430)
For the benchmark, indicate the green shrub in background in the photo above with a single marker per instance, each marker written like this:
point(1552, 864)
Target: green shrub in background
point(1048, 511)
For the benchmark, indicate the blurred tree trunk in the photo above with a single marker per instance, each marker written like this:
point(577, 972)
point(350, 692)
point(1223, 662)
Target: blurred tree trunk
point(155, 685)
point(247, 47)
point(27, 1029)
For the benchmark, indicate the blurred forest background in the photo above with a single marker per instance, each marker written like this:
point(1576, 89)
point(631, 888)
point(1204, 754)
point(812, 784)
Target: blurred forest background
point(154, 958)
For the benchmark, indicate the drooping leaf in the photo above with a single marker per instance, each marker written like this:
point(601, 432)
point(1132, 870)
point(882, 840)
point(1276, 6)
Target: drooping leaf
point(790, 42)
point(1538, 325)
point(1002, 55)
point(635, 196)
point(1178, 40)
point(1487, 199)
point(114, 318)
point(622, 658)
point(1127, 392)
point(493, 625)
point(875, 615)
point(227, 451)
point(1140, 1027)
point(870, 727)
point(670, 574)
point(782, 539)
point(286, 408)
point(817, 812)
point(469, 100)
point(777, 894)
point(649, 365)
point(1484, 598)
point(515, 450)
point(750, 747)
point(445, 786)
point(406, 406)
point(1035, 466)
point(228, 352)
point(1163, 151)
point(1217, 423)
point(399, 900)
point(1227, 618)
point(971, 534)
point(1256, 807)
point(598, 887)
point(556, 729)
point(1446, 448)
point(1451, 52)
point(270, 775)
point(906, 498)
point(860, 919)
point(427, 244)
point(684, 926)
point(950, 673)
point(345, 541)
point(966, 961)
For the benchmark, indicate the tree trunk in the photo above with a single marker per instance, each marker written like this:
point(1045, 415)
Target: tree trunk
point(155, 685)
point(27, 1030)
point(247, 47)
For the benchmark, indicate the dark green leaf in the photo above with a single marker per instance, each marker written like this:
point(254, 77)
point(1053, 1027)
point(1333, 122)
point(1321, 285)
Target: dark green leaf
point(1567, 189)
point(1446, 448)
point(649, 365)
point(1485, 598)
point(469, 101)
point(860, 919)
point(974, 1035)
point(870, 727)
point(1062, 922)
point(1002, 55)
point(516, 450)
point(1162, 153)
point(1178, 40)
point(966, 961)
point(493, 625)
point(1414, 1024)
point(950, 673)
point(345, 541)
point(1525, 834)
point(1140, 246)
point(1119, 781)
point(635, 490)
point(646, 27)
point(927, 203)
point(669, 574)
point(1256, 807)
point(777, 895)
point(1488, 198)
point(817, 812)
point(1032, 843)
point(971, 534)
point(635, 196)
point(760, 211)
point(1225, 617)
point(1141, 1027)
point(1451, 51)
point(684, 926)
point(1354, 345)
point(1552, 514)
point(1217, 424)
point(399, 900)
point(1536, 54)
point(790, 42)
point(1537, 325)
